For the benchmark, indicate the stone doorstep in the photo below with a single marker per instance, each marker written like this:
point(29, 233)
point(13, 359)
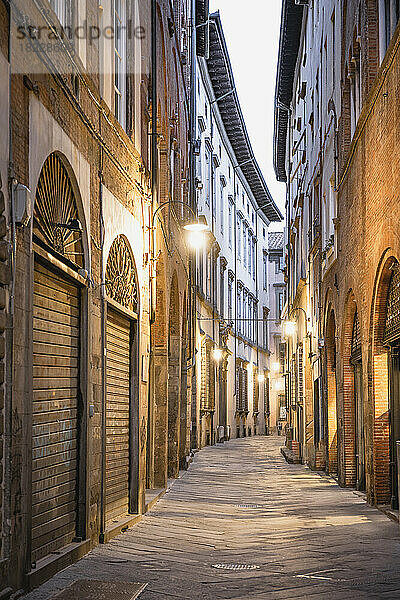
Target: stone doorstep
point(152, 497)
point(91, 589)
point(50, 565)
point(117, 527)
point(387, 510)
point(290, 457)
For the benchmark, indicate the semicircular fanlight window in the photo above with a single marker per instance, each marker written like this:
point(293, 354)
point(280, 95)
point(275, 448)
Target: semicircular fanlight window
point(55, 216)
point(392, 325)
point(121, 284)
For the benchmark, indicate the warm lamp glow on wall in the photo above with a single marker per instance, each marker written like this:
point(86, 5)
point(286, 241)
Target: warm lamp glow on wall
point(196, 237)
point(289, 328)
point(217, 354)
point(279, 385)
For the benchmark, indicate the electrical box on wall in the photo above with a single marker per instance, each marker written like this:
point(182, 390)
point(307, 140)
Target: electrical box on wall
point(22, 204)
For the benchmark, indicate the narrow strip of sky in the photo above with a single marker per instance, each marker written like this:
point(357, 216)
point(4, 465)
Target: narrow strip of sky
point(252, 35)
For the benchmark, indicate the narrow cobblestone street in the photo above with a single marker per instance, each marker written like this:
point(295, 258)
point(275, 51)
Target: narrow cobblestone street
point(241, 504)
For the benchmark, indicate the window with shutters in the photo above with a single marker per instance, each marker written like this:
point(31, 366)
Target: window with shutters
point(300, 375)
point(256, 386)
point(267, 407)
point(207, 398)
point(242, 403)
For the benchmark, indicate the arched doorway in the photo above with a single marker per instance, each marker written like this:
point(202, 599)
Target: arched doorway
point(391, 339)
point(174, 378)
point(331, 394)
point(358, 410)
point(385, 337)
point(122, 385)
point(184, 411)
point(58, 413)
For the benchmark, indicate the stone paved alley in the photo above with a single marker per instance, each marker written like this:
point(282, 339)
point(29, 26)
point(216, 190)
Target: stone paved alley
point(241, 504)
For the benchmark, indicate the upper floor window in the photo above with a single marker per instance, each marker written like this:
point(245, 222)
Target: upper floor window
point(244, 244)
point(120, 61)
point(239, 237)
point(208, 189)
point(230, 224)
point(64, 12)
point(389, 14)
point(354, 74)
point(221, 207)
point(265, 270)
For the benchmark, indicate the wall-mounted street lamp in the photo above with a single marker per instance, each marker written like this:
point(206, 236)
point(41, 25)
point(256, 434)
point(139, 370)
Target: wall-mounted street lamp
point(289, 328)
point(196, 229)
point(217, 354)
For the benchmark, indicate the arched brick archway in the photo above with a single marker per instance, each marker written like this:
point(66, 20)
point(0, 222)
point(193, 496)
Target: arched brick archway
point(348, 469)
point(184, 407)
point(331, 393)
point(379, 375)
point(174, 377)
point(158, 427)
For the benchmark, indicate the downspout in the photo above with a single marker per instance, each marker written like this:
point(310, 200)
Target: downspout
point(213, 266)
point(9, 360)
point(235, 387)
point(193, 204)
point(154, 199)
point(103, 351)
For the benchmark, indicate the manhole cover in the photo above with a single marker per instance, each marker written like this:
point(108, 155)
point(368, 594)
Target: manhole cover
point(234, 567)
point(85, 589)
point(249, 506)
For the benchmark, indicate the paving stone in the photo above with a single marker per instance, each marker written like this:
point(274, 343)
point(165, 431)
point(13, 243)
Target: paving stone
point(309, 538)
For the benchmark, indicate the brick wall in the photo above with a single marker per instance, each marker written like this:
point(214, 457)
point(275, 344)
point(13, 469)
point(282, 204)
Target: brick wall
point(368, 232)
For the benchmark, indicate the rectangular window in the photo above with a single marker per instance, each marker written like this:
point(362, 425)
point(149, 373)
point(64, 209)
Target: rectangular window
point(120, 61)
point(265, 328)
point(239, 310)
point(222, 292)
point(239, 237)
point(221, 208)
point(253, 247)
point(230, 298)
point(230, 224)
point(249, 252)
point(64, 12)
point(244, 244)
point(265, 271)
point(208, 177)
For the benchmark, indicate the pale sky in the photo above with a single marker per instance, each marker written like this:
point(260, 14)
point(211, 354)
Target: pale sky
point(252, 35)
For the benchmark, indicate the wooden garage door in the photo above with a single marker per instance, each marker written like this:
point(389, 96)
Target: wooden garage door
point(118, 416)
point(55, 407)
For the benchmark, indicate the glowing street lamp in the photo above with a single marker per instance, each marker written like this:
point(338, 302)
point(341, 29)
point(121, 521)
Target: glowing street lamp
point(289, 328)
point(217, 354)
point(196, 237)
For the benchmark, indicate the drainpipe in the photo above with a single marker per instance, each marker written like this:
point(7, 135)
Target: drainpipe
point(192, 199)
point(103, 352)
point(9, 359)
point(154, 200)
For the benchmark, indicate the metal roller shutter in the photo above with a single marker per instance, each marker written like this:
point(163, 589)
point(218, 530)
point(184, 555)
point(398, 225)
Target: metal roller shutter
point(56, 325)
point(118, 416)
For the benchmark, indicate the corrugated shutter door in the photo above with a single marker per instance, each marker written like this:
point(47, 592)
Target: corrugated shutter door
point(118, 416)
point(56, 316)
